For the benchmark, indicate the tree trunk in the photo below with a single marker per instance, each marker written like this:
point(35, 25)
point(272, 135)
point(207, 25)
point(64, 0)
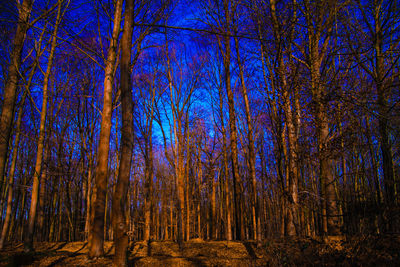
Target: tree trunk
point(251, 147)
point(28, 243)
point(10, 88)
point(199, 182)
point(7, 219)
point(383, 106)
point(96, 234)
point(121, 190)
point(291, 131)
point(317, 46)
point(187, 203)
point(226, 53)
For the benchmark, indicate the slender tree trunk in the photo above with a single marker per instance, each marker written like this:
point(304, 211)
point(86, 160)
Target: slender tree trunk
point(15, 151)
point(28, 243)
point(226, 53)
point(374, 166)
point(199, 181)
point(180, 187)
point(42, 192)
point(291, 131)
point(212, 221)
point(96, 234)
point(178, 153)
point(6, 223)
point(187, 203)
point(149, 173)
point(22, 210)
point(40, 213)
point(251, 147)
point(147, 201)
point(88, 197)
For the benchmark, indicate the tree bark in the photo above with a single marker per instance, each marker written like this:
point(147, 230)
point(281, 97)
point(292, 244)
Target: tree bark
point(383, 106)
point(317, 46)
point(10, 89)
point(96, 234)
point(226, 53)
point(121, 190)
point(251, 147)
point(291, 131)
point(7, 219)
point(28, 242)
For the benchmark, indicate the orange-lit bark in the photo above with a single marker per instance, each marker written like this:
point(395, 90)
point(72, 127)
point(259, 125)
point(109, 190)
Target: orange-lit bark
point(96, 234)
point(121, 189)
point(28, 242)
point(10, 88)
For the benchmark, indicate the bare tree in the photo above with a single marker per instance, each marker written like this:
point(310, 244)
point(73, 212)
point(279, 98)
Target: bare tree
point(121, 189)
point(10, 89)
point(96, 234)
point(28, 242)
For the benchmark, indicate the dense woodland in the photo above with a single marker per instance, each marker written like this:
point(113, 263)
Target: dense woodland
point(213, 119)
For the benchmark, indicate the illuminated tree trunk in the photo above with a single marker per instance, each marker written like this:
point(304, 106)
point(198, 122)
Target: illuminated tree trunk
point(121, 190)
point(10, 88)
point(96, 234)
point(187, 166)
point(28, 242)
point(228, 232)
point(41, 220)
point(148, 200)
point(89, 197)
point(251, 147)
point(180, 187)
point(226, 54)
point(15, 151)
point(199, 182)
point(7, 219)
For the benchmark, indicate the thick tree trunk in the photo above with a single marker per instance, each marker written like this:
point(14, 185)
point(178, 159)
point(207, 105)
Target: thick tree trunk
point(327, 177)
point(96, 234)
point(121, 190)
point(317, 46)
point(10, 89)
point(383, 108)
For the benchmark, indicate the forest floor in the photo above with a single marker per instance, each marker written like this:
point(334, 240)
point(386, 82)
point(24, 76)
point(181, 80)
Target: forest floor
point(357, 251)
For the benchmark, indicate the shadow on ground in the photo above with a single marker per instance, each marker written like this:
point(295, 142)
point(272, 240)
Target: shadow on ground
point(357, 251)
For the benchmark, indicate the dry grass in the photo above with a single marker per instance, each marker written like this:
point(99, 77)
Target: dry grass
point(358, 251)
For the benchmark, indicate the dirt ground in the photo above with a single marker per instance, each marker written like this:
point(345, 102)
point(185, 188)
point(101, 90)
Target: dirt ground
point(358, 251)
